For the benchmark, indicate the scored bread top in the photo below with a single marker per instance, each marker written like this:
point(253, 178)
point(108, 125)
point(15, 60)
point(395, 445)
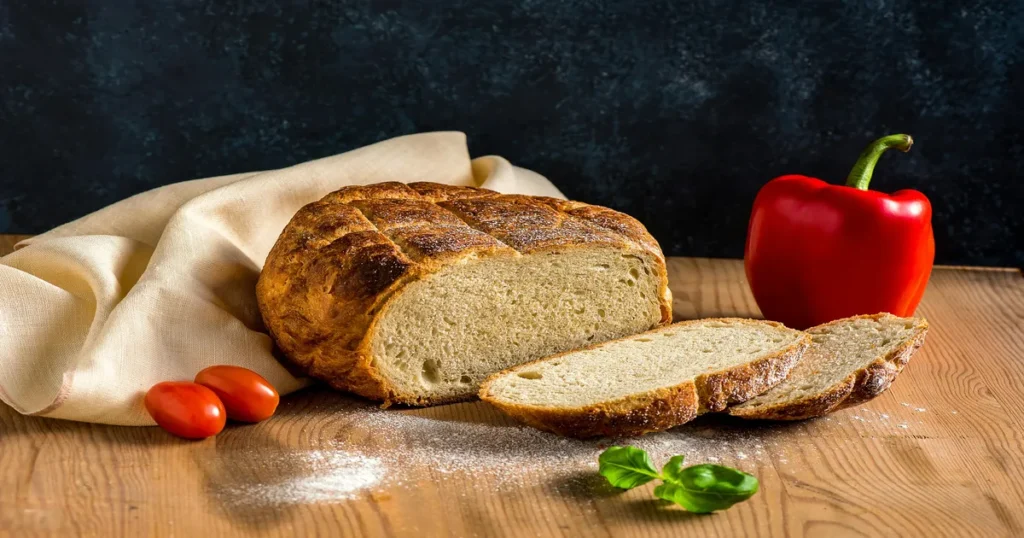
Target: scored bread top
point(340, 259)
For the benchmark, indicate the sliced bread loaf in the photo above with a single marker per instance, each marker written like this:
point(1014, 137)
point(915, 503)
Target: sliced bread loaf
point(416, 293)
point(850, 361)
point(650, 381)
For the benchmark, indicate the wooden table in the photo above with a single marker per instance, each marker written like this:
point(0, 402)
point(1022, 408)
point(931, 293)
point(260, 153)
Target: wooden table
point(940, 454)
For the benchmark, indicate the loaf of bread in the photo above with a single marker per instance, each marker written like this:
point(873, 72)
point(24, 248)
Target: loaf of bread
point(650, 381)
point(415, 293)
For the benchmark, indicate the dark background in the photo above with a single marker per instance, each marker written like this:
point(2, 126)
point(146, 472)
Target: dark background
point(673, 111)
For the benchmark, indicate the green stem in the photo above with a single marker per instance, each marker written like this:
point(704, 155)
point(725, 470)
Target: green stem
point(860, 176)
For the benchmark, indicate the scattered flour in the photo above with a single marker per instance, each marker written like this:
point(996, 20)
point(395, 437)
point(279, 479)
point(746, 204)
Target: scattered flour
point(366, 448)
point(322, 476)
point(508, 453)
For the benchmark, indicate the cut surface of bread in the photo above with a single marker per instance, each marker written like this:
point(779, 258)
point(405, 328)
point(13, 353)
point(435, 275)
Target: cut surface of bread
point(446, 333)
point(850, 361)
point(415, 293)
point(648, 382)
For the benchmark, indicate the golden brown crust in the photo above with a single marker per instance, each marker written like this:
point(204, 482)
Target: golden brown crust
point(341, 259)
point(439, 192)
point(425, 231)
point(375, 191)
point(721, 389)
point(859, 387)
point(655, 411)
point(529, 226)
point(609, 219)
point(662, 408)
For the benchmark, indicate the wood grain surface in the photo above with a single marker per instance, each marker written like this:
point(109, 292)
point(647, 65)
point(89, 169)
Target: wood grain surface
point(940, 454)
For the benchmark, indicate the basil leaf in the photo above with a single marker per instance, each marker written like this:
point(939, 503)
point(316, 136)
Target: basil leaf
point(707, 487)
point(671, 471)
point(626, 467)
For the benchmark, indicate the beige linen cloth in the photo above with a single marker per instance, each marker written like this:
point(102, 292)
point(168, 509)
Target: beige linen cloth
point(161, 285)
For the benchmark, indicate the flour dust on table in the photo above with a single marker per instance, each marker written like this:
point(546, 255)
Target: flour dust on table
point(334, 475)
point(365, 449)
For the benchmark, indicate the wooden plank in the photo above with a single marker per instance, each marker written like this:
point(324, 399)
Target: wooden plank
point(937, 455)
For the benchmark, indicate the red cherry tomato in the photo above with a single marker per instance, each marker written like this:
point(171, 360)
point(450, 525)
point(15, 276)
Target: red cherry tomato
point(247, 396)
point(186, 409)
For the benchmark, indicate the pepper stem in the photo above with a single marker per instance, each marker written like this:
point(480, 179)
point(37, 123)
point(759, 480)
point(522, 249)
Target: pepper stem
point(860, 176)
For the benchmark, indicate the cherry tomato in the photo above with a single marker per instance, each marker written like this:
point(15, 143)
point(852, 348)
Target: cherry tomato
point(186, 409)
point(247, 396)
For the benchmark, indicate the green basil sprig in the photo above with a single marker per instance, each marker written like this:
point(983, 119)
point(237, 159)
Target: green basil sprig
point(699, 488)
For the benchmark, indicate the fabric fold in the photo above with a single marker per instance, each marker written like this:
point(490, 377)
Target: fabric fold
point(161, 285)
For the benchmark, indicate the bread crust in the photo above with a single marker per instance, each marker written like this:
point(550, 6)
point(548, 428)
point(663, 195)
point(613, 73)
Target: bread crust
point(860, 386)
point(662, 408)
point(718, 390)
point(342, 260)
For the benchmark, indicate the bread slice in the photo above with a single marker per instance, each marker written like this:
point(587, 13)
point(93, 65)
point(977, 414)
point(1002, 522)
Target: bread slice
point(416, 293)
point(650, 381)
point(850, 361)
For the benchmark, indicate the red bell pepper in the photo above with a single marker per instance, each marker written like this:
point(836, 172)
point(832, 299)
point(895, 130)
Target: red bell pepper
point(817, 252)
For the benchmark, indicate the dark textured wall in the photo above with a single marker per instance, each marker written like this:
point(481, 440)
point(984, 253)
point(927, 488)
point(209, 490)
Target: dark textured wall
point(676, 112)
